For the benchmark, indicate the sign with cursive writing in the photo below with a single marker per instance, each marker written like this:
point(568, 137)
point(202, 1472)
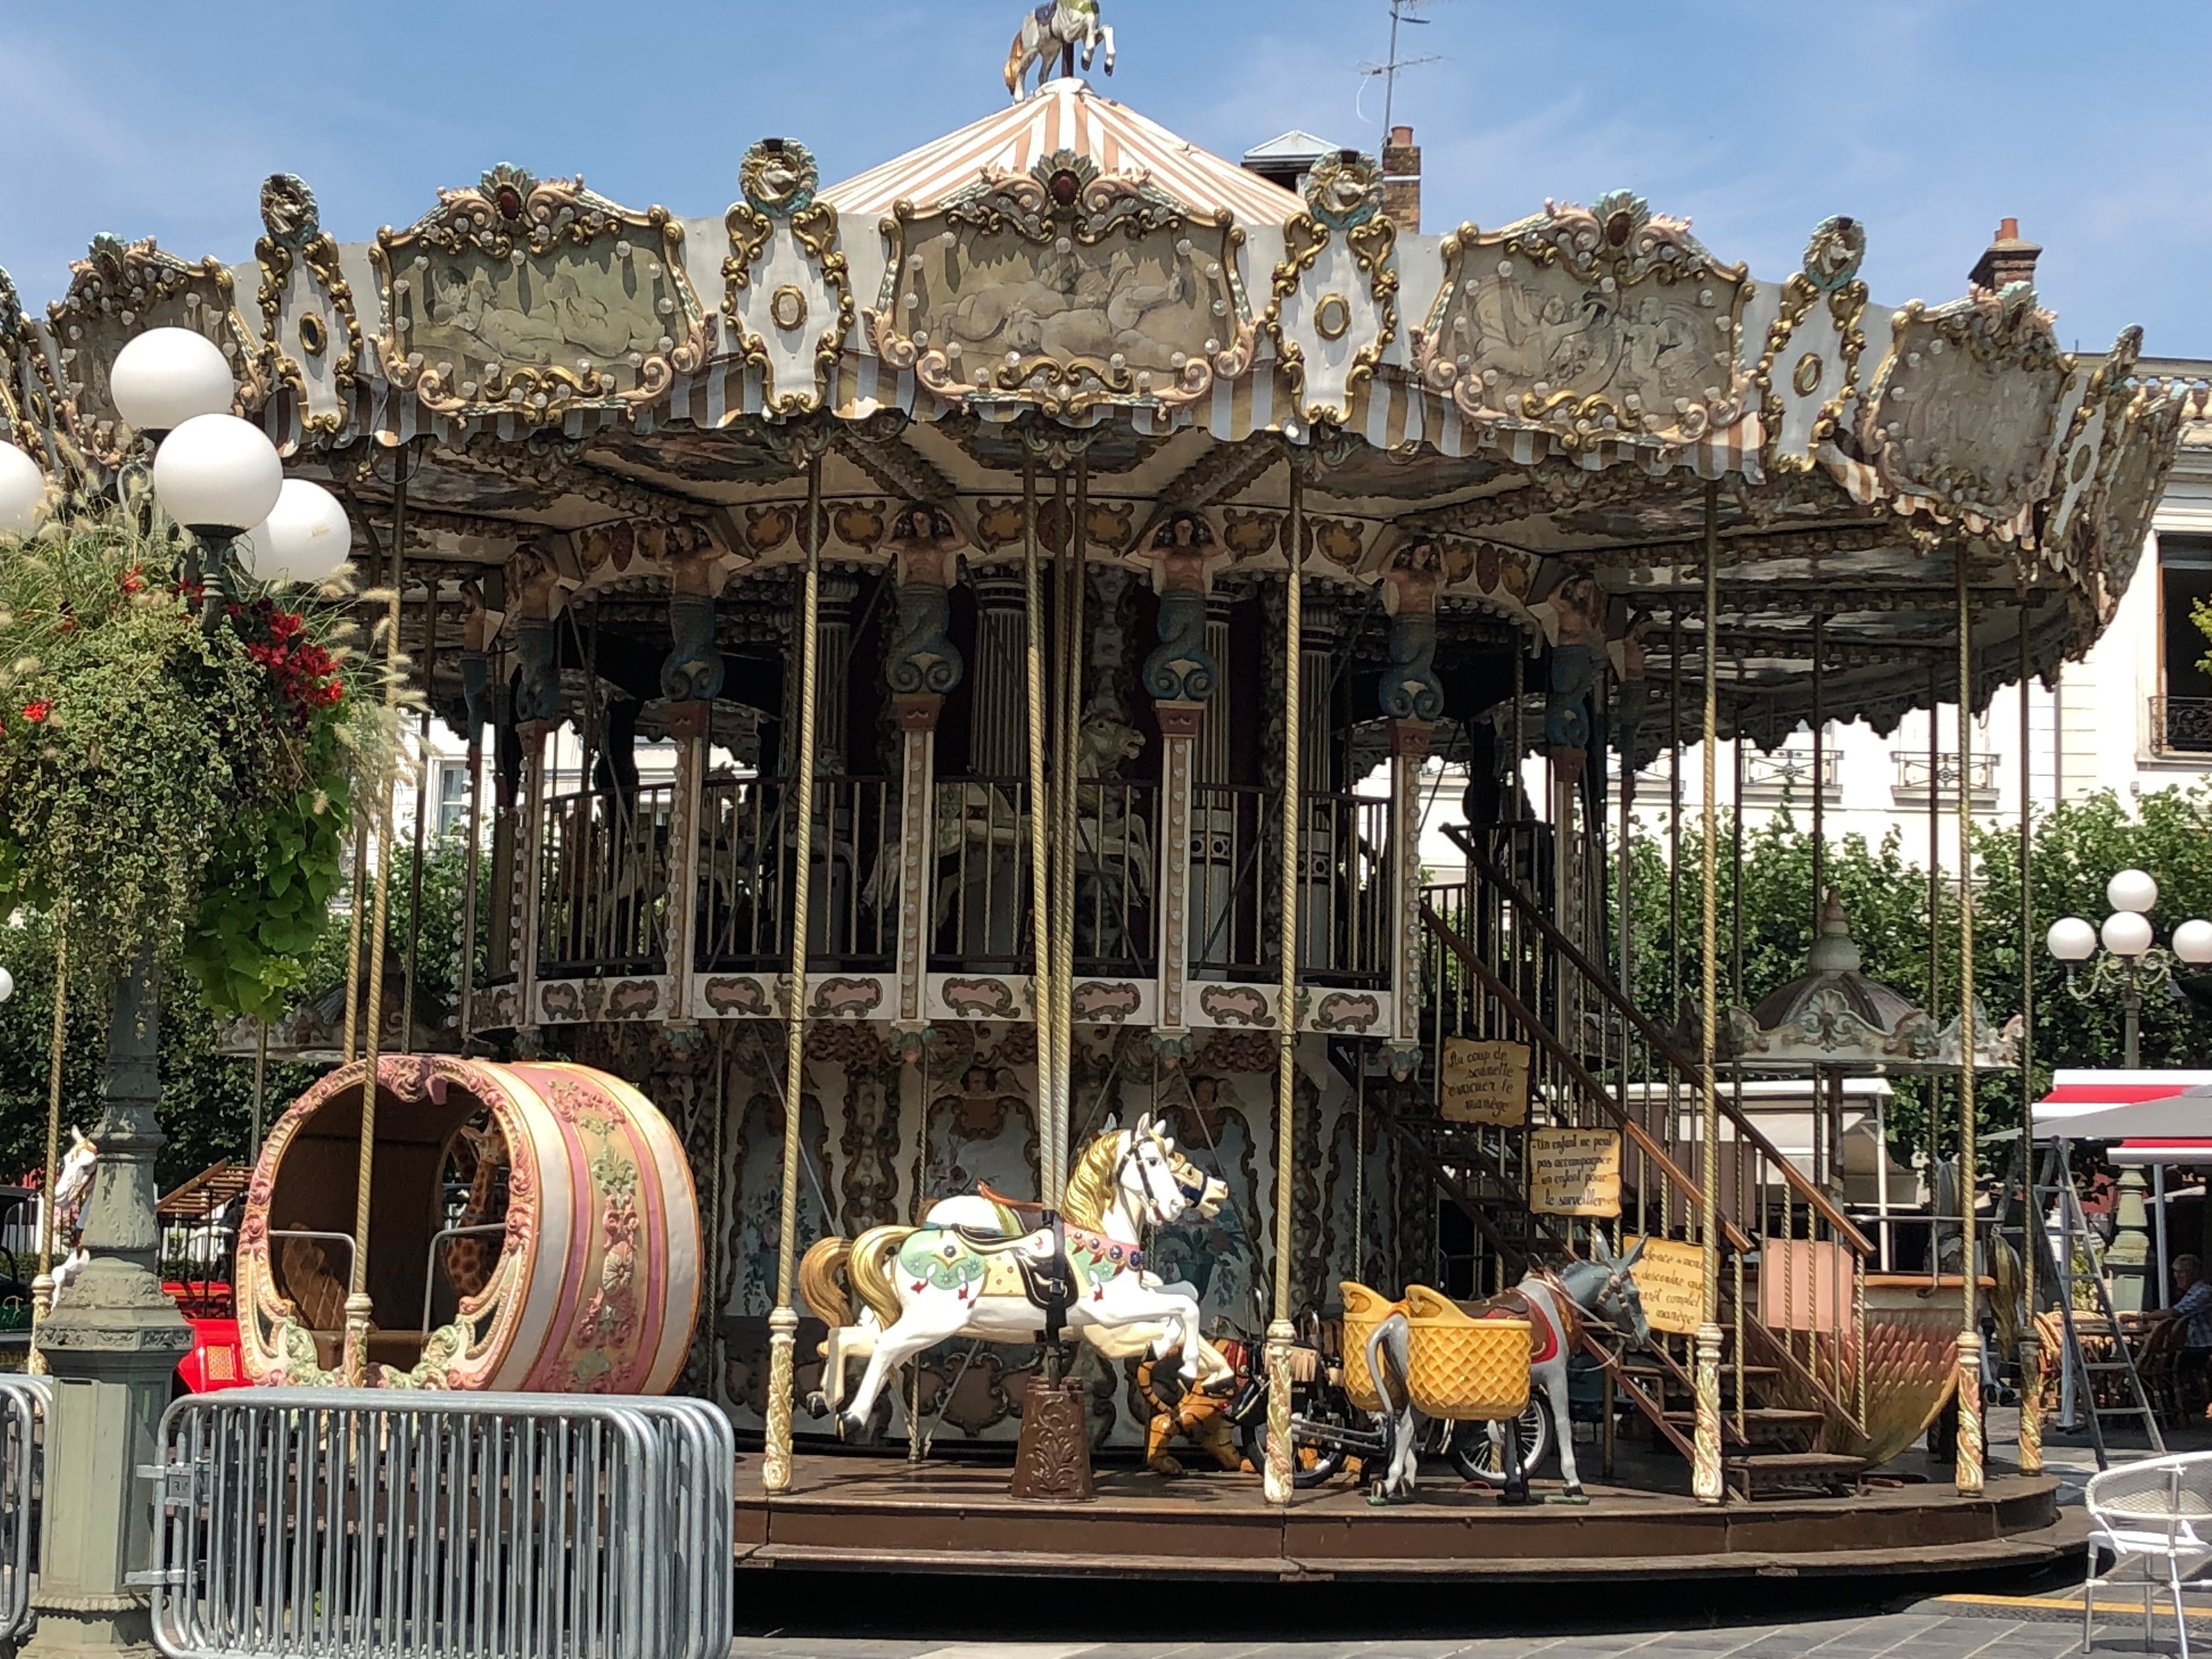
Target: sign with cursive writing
point(1574, 1172)
point(1484, 1083)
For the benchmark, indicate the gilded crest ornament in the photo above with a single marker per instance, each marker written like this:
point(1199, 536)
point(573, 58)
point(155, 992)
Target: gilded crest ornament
point(1345, 189)
point(292, 239)
point(1834, 254)
point(1337, 273)
point(120, 289)
point(778, 179)
point(534, 298)
point(1608, 324)
point(1064, 287)
point(1829, 277)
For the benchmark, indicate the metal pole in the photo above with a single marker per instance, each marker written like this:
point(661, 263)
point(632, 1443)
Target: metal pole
point(260, 1090)
point(1280, 1331)
point(2158, 1197)
point(42, 1287)
point(1705, 1474)
point(1968, 1474)
point(2130, 1014)
point(783, 1321)
point(1043, 1008)
point(2031, 1349)
point(358, 1306)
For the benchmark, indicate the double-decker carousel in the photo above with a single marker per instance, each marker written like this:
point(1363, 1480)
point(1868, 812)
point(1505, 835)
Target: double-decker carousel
point(941, 523)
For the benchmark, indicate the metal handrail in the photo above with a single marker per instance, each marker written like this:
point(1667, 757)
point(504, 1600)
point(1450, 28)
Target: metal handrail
point(24, 1402)
point(430, 1266)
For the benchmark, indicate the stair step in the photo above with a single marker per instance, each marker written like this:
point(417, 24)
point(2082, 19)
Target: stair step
point(1796, 1463)
point(1760, 1416)
point(1752, 1373)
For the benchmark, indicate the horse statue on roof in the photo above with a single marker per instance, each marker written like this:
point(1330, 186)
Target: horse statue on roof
point(983, 1266)
point(1054, 30)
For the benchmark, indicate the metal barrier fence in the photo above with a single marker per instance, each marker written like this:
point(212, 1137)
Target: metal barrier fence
point(23, 1403)
point(296, 1523)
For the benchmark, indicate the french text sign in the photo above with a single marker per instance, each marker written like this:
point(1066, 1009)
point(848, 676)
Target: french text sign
point(1574, 1172)
point(1485, 1083)
point(1670, 1279)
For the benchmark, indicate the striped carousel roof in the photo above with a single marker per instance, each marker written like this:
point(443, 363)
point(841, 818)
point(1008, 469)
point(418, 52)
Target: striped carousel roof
point(1066, 115)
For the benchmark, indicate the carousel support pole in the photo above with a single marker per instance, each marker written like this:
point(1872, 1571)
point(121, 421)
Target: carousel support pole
point(1705, 1474)
point(1041, 999)
point(358, 1306)
point(2031, 1350)
point(261, 1092)
point(783, 1321)
point(111, 1348)
point(1072, 568)
point(1968, 1477)
point(1281, 1333)
point(925, 665)
point(475, 700)
point(1412, 700)
point(1180, 676)
point(42, 1287)
point(421, 815)
point(356, 913)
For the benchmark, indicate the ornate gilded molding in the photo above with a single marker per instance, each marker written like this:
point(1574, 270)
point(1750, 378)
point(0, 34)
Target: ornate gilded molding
point(1829, 273)
point(120, 289)
point(1096, 288)
point(1599, 325)
point(1962, 415)
point(1344, 198)
point(292, 235)
point(20, 429)
point(533, 299)
point(778, 179)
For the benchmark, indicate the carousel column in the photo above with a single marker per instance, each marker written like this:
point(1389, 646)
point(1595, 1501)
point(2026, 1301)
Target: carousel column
point(2031, 1350)
point(477, 705)
point(1967, 1475)
point(1412, 699)
point(998, 733)
point(1705, 1462)
point(1180, 675)
point(810, 443)
point(925, 666)
point(1575, 622)
point(1281, 1332)
point(1317, 832)
point(534, 588)
point(691, 679)
point(111, 1346)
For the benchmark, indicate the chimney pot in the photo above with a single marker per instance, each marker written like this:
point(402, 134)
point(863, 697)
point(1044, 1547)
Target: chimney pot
point(2007, 230)
point(1401, 137)
point(1401, 179)
point(2010, 258)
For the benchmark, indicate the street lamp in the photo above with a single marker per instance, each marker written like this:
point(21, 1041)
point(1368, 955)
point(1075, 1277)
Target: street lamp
point(166, 376)
point(7, 985)
point(304, 538)
point(2131, 961)
point(22, 492)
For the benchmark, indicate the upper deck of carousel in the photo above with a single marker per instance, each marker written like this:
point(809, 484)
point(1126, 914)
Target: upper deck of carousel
point(1064, 284)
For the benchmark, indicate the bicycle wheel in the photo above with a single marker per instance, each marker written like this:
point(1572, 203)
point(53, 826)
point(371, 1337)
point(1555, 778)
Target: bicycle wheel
point(1480, 1455)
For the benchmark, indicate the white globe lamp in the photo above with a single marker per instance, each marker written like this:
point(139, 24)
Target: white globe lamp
point(2192, 943)
point(7, 985)
point(2132, 889)
point(22, 492)
point(2071, 939)
point(218, 475)
point(304, 538)
point(2126, 935)
point(166, 376)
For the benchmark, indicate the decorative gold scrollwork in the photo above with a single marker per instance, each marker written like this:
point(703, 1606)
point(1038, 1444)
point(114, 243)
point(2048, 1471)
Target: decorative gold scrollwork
point(292, 233)
point(535, 297)
point(1063, 288)
point(1344, 196)
point(1807, 378)
point(314, 334)
point(1333, 317)
point(1829, 272)
point(779, 178)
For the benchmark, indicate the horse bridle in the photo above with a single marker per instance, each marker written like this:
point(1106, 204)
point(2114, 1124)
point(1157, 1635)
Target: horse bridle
point(1144, 1175)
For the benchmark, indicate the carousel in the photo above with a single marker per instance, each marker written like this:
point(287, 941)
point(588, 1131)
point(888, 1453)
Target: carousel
point(1059, 561)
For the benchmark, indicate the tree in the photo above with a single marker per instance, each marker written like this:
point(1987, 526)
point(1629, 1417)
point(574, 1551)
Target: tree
point(2075, 848)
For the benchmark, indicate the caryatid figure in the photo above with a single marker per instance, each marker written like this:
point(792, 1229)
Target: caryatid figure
point(1577, 610)
point(924, 663)
point(1410, 689)
point(1180, 672)
point(691, 676)
point(534, 592)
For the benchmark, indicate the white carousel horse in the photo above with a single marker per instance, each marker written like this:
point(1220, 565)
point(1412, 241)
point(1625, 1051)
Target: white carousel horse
point(72, 1187)
point(1600, 1292)
point(852, 1335)
point(1054, 30)
point(925, 1284)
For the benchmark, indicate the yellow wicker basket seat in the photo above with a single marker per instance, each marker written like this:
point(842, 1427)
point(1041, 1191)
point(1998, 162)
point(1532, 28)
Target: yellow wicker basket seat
point(1364, 1310)
point(1464, 1367)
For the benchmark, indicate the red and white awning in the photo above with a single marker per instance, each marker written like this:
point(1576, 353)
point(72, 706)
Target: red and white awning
point(1066, 115)
point(2151, 1117)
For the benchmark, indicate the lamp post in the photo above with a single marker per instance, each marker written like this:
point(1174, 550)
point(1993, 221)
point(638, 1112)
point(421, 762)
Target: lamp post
point(112, 1344)
point(2129, 962)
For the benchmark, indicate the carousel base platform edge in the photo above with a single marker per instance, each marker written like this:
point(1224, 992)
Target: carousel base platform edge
point(855, 1516)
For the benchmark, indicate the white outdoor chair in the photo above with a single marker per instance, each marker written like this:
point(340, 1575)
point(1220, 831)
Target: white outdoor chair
point(2156, 1515)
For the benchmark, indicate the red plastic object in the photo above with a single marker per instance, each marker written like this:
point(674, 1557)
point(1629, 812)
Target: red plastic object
point(215, 1362)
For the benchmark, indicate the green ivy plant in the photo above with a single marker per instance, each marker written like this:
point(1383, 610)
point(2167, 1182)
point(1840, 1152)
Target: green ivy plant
point(169, 789)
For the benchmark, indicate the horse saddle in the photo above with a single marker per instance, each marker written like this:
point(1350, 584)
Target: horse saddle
point(1030, 1260)
point(1543, 1336)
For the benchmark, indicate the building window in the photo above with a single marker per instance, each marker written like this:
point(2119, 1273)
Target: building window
point(453, 796)
point(2181, 713)
point(1783, 776)
point(1910, 787)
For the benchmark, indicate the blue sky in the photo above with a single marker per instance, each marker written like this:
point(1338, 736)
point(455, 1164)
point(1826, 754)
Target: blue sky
point(1755, 118)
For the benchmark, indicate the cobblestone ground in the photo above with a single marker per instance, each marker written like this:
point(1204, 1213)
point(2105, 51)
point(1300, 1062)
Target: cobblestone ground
point(853, 1619)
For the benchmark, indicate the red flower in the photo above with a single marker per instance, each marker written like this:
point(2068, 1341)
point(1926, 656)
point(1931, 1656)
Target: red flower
point(37, 709)
point(132, 580)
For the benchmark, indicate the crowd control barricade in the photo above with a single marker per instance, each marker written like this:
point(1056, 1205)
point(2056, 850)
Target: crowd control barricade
point(23, 1402)
point(295, 1523)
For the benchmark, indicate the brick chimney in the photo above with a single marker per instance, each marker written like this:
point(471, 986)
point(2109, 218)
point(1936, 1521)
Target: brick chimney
point(2007, 260)
point(1401, 179)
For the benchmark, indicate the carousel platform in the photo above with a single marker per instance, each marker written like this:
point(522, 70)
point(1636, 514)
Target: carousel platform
point(849, 1514)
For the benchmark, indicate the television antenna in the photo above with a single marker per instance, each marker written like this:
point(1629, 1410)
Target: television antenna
point(1407, 13)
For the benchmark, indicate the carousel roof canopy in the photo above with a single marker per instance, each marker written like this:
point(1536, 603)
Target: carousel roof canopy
point(1530, 422)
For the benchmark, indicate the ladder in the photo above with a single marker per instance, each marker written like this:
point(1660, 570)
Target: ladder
point(2053, 1189)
